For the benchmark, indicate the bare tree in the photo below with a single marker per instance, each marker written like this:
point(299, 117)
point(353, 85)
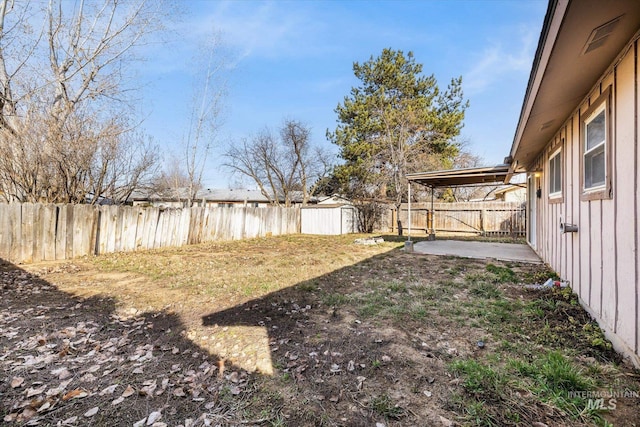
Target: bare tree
point(172, 180)
point(257, 158)
point(466, 159)
point(205, 119)
point(310, 164)
point(63, 100)
point(281, 166)
point(122, 165)
point(16, 49)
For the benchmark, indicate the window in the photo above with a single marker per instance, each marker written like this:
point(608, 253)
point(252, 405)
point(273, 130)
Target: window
point(595, 149)
point(595, 141)
point(555, 174)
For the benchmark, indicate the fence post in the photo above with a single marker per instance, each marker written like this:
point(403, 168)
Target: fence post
point(394, 213)
point(243, 233)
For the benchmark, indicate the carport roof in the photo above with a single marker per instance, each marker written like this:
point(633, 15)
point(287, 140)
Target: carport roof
point(459, 177)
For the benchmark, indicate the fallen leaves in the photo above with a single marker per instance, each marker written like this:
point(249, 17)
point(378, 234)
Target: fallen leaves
point(91, 412)
point(128, 391)
point(117, 401)
point(17, 382)
point(148, 388)
point(86, 361)
point(75, 394)
point(62, 373)
point(30, 392)
point(109, 390)
point(153, 417)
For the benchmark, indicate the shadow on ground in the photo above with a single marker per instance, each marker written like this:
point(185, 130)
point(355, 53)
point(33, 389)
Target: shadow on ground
point(341, 368)
point(72, 361)
point(349, 348)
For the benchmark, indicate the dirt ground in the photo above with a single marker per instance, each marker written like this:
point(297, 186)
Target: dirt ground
point(298, 331)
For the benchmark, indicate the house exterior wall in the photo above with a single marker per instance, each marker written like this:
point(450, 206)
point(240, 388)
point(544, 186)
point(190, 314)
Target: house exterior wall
point(235, 204)
point(199, 203)
point(516, 195)
point(600, 259)
point(158, 204)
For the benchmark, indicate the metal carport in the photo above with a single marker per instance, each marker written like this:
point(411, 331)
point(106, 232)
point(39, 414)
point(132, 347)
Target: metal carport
point(455, 178)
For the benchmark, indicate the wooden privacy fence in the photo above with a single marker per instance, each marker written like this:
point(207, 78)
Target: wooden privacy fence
point(34, 232)
point(486, 218)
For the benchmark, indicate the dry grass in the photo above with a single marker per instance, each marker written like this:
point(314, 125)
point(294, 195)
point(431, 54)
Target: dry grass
point(326, 332)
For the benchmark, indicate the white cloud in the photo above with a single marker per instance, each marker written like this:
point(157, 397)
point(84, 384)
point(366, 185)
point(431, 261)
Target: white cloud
point(500, 59)
point(271, 29)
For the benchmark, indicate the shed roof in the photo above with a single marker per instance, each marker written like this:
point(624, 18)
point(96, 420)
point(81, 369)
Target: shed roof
point(459, 177)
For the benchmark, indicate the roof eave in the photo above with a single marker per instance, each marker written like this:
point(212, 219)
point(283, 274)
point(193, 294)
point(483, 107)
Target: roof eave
point(550, 28)
point(567, 68)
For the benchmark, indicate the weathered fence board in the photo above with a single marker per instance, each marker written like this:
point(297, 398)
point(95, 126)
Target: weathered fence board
point(48, 230)
point(5, 233)
point(505, 218)
point(32, 232)
point(15, 222)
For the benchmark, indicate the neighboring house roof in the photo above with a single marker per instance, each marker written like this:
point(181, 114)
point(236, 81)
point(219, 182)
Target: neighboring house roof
point(237, 195)
point(210, 195)
point(333, 199)
point(214, 195)
point(579, 40)
point(460, 177)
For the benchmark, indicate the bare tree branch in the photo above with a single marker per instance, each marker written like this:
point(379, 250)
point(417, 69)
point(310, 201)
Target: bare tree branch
point(63, 138)
point(281, 167)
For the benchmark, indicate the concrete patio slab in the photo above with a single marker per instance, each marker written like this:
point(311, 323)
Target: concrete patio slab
point(481, 250)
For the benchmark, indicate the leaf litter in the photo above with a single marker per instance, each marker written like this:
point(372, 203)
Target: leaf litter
point(330, 360)
point(78, 355)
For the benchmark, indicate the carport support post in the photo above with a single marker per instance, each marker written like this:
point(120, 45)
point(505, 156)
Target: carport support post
point(432, 234)
point(408, 245)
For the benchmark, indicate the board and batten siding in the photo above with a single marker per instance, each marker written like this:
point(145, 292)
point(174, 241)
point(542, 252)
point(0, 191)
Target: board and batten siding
point(601, 259)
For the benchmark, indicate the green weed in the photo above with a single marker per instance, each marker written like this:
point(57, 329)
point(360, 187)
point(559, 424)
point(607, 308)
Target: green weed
point(595, 336)
point(383, 405)
point(335, 299)
point(485, 290)
point(308, 287)
point(480, 380)
point(502, 274)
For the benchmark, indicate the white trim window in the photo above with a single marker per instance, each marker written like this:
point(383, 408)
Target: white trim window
point(555, 174)
point(595, 144)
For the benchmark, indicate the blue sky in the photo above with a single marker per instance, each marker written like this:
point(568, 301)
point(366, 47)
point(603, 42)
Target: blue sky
point(293, 59)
